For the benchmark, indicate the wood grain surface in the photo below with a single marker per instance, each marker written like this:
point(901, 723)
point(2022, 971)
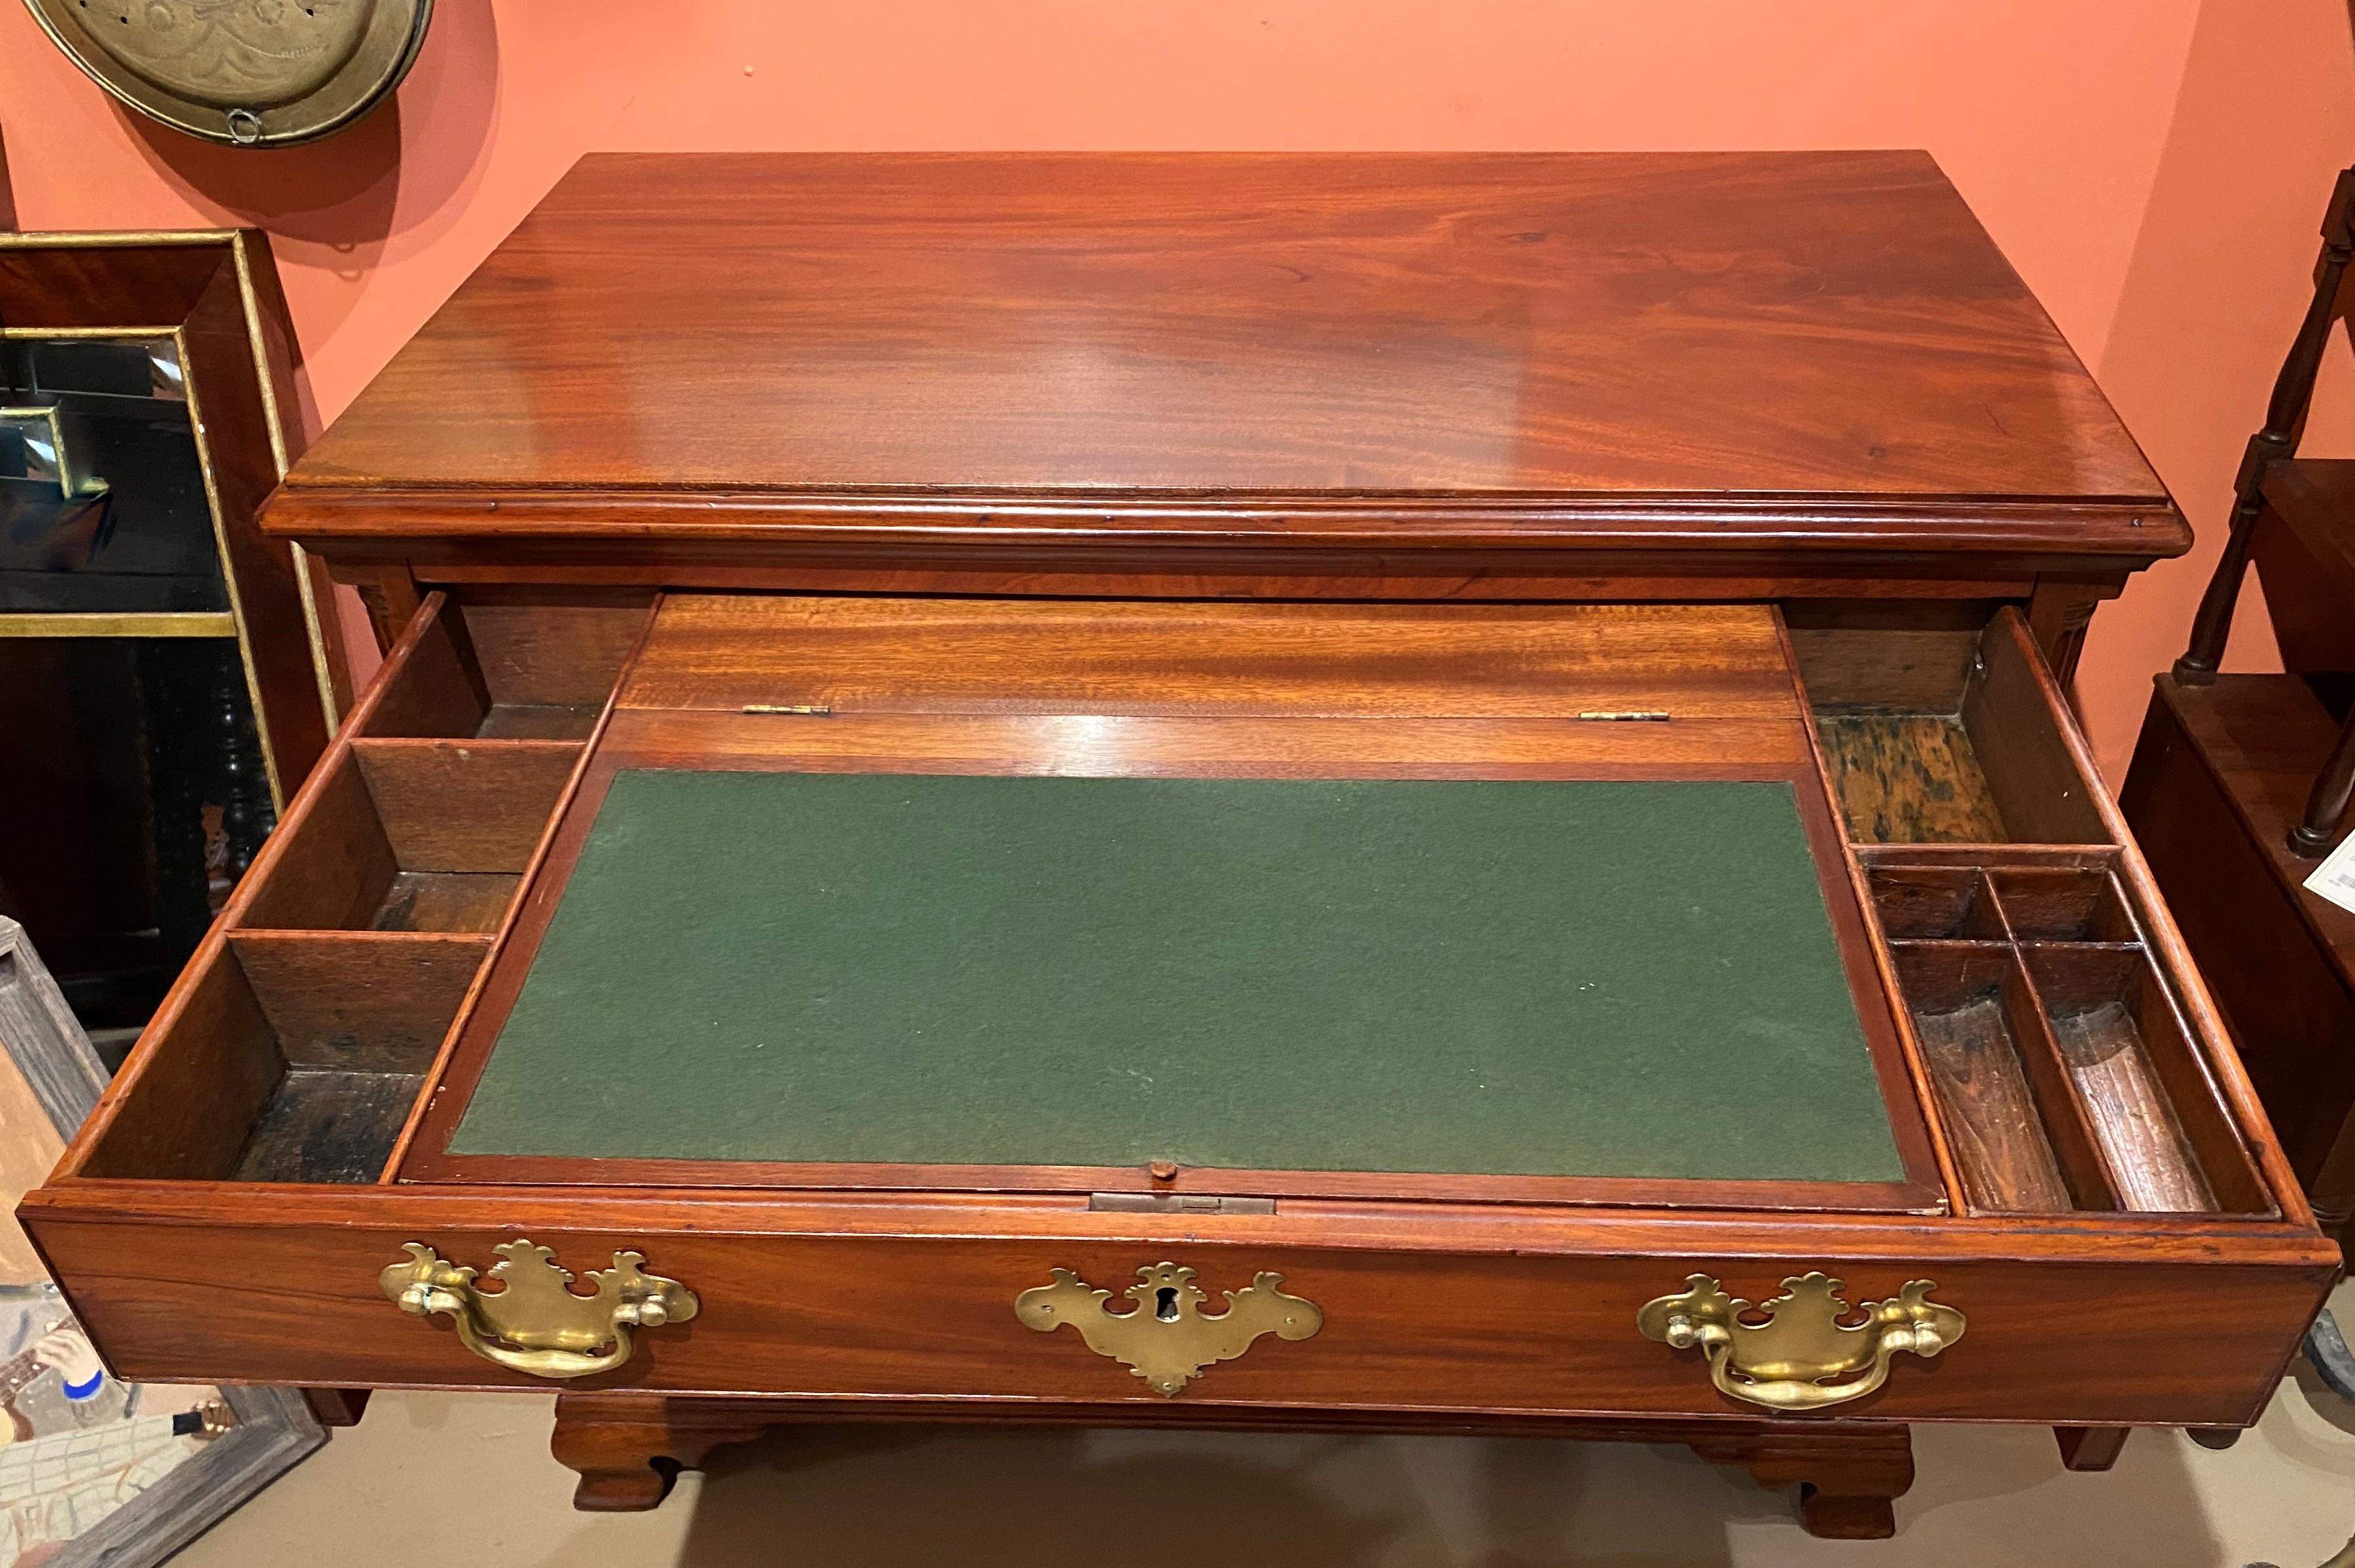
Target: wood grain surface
point(510, 788)
point(1290, 324)
point(723, 652)
point(1469, 1309)
point(359, 1000)
point(1387, 351)
point(1909, 778)
point(2305, 555)
point(1966, 999)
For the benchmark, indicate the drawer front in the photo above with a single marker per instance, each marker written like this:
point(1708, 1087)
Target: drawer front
point(1549, 1325)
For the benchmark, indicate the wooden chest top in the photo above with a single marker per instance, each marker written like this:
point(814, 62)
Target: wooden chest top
point(1388, 348)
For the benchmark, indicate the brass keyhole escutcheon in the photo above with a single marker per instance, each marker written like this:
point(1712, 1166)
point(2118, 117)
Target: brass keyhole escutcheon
point(1165, 1338)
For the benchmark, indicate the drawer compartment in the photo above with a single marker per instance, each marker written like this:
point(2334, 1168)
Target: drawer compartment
point(1963, 749)
point(2052, 1007)
point(2018, 1130)
point(2129, 1054)
point(427, 808)
point(2036, 1112)
point(303, 1034)
point(2050, 1030)
point(416, 836)
point(315, 1047)
point(528, 668)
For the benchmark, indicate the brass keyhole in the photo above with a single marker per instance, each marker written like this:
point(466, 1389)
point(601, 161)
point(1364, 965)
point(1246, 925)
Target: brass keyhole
point(1159, 1332)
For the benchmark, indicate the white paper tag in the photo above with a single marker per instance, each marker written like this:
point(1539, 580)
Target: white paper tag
point(2335, 878)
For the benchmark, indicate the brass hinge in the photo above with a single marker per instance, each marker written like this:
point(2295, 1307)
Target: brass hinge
point(1175, 1204)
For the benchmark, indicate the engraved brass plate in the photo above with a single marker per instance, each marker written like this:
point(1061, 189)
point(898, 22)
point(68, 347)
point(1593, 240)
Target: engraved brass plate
point(252, 73)
point(1802, 1357)
point(537, 1323)
point(1164, 1339)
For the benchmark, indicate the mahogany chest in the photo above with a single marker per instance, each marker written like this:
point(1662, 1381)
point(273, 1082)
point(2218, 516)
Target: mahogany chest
point(1423, 792)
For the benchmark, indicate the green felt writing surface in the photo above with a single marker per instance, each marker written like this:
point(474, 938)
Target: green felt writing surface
point(1560, 978)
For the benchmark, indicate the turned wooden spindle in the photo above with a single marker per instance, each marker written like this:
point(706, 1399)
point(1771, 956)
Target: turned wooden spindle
point(2285, 421)
point(2327, 803)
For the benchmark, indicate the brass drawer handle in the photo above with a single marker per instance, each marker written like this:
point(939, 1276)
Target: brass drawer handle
point(1787, 1361)
point(537, 1324)
point(1164, 1339)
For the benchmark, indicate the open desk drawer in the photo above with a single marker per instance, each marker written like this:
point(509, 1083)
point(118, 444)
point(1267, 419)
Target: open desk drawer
point(1483, 971)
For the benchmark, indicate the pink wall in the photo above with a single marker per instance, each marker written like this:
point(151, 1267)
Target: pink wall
point(2264, 118)
point(2154, 167)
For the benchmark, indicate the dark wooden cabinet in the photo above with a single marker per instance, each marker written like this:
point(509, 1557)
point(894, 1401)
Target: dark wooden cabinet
point(899, 660)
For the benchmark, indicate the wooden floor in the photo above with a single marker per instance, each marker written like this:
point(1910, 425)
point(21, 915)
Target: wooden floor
point(432, 1469)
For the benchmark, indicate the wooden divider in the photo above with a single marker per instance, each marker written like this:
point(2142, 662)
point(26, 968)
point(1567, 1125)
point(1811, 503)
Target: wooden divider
point(301, 1042)
point(2066, 1074)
